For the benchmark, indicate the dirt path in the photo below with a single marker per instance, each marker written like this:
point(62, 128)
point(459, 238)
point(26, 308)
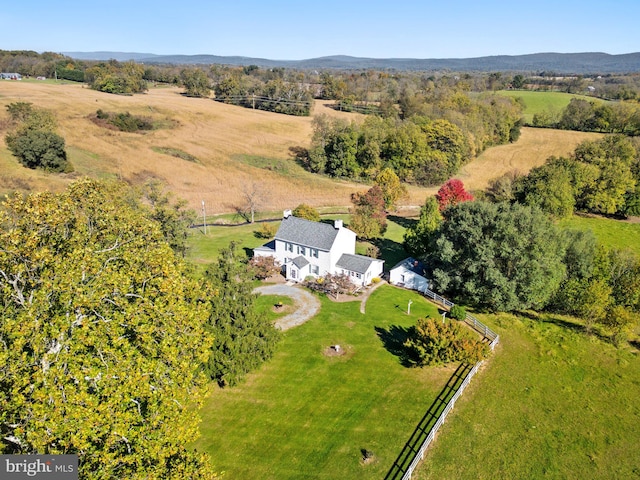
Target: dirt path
point(365, 297)
point(307, 306)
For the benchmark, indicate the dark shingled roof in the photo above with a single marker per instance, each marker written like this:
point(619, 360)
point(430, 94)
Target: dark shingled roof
point(307, 233)
point(355, 263)
point(300, 262)
point(416, 266)
point(267, 247)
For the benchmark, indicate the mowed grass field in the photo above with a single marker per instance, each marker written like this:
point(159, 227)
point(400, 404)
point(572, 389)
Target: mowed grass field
point(540, 101)
point(234, 149)
point(552, 402)
point(306, 415)
point(613, 233)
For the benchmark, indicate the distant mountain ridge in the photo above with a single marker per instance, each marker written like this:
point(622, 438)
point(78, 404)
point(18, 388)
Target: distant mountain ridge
point(562, 63)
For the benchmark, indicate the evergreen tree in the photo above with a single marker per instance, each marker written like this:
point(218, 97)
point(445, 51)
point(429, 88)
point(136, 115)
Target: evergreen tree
point(243, 338)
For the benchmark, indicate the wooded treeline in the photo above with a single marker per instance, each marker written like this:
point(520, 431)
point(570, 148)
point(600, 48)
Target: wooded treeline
point(425, 141)
point(290, 90)
point(504, 252)
point(601, 176)
point(591, 116)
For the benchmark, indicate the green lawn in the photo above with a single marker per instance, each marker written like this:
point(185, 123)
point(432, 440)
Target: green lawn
point(204, 249)
point(552, 403)
point(539, 102)
point(266, 303)
point(307, 415)
point(613, 233)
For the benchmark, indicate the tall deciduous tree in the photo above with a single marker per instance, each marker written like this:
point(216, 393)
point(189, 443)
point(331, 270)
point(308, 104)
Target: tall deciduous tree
point(550, 188)
point(307, 212)
point(503, 257)
point(368, 215)
point(418, 237)
point(452, 193)
point(195, 82)
point(392, 188)
point(101, 337)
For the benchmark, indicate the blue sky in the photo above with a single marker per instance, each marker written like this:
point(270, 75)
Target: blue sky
point(293, 30)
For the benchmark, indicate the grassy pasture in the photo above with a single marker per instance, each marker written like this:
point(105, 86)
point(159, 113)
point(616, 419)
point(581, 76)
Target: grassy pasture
point(539, 102)
point(613, 233)
point(235, 148)
point(307, 415)
point(219, 136)
point(533, 148)
point(552, 403)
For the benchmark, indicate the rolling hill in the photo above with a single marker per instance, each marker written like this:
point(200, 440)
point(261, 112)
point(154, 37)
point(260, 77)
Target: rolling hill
point(561, 63)
point(234, 149)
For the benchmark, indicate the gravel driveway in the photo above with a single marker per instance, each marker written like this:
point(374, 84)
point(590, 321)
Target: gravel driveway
point(305, 303)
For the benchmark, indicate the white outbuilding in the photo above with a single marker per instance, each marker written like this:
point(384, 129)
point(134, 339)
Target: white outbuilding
point(409, 273)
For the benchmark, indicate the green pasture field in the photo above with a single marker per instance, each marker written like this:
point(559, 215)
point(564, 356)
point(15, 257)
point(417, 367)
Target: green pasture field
point(551, 403)
point(539, 102)
point(306, 415)
point(612, 233)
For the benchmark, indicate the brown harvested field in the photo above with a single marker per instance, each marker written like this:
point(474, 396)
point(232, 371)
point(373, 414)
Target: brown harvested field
point(237, 148)
point(533, 147)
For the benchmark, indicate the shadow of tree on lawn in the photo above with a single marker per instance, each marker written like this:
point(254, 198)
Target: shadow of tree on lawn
point(393, 339)
point(402, 221)
point(390, 251)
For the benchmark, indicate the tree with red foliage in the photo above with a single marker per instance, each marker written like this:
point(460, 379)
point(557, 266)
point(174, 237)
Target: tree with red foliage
point(368, 215)
point(452, 193)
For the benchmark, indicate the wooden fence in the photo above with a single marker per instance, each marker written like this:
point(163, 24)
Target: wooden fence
point(489, 335)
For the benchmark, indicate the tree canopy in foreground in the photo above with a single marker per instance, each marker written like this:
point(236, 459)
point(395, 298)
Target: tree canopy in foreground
point(101, 337)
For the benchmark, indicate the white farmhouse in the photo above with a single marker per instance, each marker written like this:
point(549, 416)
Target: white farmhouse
point(305, 248)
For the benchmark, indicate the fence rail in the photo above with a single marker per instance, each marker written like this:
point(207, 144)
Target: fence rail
point(432, 433)
point(470, 320)
point(488, 334)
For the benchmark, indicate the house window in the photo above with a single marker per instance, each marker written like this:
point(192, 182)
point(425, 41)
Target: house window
point(315, 269)
point(289, 247)
point(293, 273)
point(314, 252)
point(357, 275)
point(301, 250)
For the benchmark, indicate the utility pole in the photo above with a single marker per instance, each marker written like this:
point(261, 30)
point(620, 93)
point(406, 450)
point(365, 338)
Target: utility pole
point(409, 307)
point(204, 218)
point(444, 314)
